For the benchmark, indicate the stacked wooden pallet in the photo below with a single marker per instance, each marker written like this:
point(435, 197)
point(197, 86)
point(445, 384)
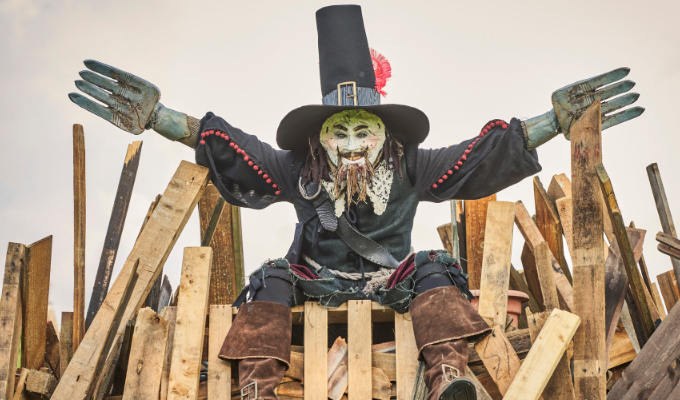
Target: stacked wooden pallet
point(590, 326)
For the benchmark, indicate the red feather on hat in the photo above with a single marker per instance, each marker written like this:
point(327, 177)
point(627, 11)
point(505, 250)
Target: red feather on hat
point(382, 69)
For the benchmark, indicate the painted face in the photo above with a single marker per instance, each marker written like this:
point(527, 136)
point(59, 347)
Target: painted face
point(353, 137)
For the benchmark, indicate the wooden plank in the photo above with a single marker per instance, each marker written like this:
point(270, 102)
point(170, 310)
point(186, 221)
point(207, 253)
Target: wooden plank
point(643, 265)
point(530, 275)
point(219, 371)
point(544, 356)
point(21, 385)
point(475, 220)
point(359, 348)
point(590, 354)
point(533, 237)
point(117, 381)
point(548, 222)
point(226, 274)
point(559, 187)
point(657, 299)
point(663, 209)
point(10, 317)
point(79, 213)
point(315, 340)
point(564, 210)
point(65, 341)
point(170, 315)
point(52, 355)
point(35, 296)
point(406, 355)
point(657, 359)
point(151, 250)
point(669, 288)
point(495, 279)
point(115, 229)
point(641, 298)
point(546, 276)
point(337, 368)
point(166, 293)
point(621, 350)
point(187, 348)
point(40, 383)
point(444, 232)
point(498, 357)
point(517, 282)
point(147, 355)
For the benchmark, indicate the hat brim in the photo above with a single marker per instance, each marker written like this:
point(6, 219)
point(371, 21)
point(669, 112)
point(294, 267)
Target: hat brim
point(408, 124)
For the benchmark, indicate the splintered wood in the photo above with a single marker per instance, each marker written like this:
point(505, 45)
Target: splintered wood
point(590, 355)
point(150, 252)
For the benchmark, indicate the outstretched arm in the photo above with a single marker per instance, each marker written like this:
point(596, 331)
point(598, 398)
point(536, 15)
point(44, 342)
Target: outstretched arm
point(131, 103)
point(571, 101)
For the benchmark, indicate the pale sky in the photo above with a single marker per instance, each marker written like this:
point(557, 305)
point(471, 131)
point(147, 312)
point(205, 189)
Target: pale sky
point(462, 63)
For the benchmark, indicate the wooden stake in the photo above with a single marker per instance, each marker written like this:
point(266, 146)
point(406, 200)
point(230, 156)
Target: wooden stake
point(406, 355)
point(475, 220)
point(147, 354)
point(642, 300)
point(115, 229)
point(151, 249)
point(493, 298)
point(219, 371)
point(65, 341)
point(663, 209)
point(226, 275)
point(590, 350)
point(185, 366)
point(544, 356)
point(359, 338)
point(10, 317)
point(78, 234)
point(315, 338)
point(548, 222)
point(35, 297)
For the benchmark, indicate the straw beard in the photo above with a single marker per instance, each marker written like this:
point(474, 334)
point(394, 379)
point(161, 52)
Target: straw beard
point(355, 176)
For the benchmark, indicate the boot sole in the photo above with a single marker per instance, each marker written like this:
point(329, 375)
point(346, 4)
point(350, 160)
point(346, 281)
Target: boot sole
point(461, 389)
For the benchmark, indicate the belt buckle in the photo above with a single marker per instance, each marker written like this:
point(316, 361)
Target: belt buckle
point(450, 372)
point(353, 96)
point(249, 391)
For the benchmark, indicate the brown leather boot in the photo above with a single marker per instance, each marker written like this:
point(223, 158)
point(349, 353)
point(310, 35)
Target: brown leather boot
point(260, 339)
point(442, 319)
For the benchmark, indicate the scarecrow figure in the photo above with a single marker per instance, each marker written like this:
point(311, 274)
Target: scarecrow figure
point(354, 172)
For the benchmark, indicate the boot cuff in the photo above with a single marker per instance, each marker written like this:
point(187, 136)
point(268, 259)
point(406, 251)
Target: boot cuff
point(443, 314)
point(261, 329)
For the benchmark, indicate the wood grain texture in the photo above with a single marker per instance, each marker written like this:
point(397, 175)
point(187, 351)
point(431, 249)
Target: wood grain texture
point(150, 251)
point(35, 295)
point(226, 274)
point(315, 340)
point(40, 383)
point(669, 288)
point(657, 299)
point(655, 362)
point(544, 356)
point(65, 341)
point(475, 221)
point(590, 355)
point(219, 371)
point(52, 356)
point(642, 299)
point(115, 229)
point(79, 213)
point(548, 222)
point(533, 237)
point(170, 315)
point(359, 348)
point(498, 357)
point(10, 317)
point(192, 306)
point(564, 210)
point(406, 354)
point(147, 355)
point(495, 279)
point(663, 209)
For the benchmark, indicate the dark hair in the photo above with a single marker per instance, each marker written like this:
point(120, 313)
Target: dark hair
point(316, 164)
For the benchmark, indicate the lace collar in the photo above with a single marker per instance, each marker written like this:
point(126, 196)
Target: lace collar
point(378, 190)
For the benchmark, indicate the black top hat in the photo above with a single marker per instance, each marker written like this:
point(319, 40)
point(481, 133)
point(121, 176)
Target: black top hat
point(347, 82)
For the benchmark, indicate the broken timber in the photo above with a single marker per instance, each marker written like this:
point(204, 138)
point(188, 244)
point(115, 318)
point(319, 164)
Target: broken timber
point(151, 250)
point(590, 350)
point(114, 230)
